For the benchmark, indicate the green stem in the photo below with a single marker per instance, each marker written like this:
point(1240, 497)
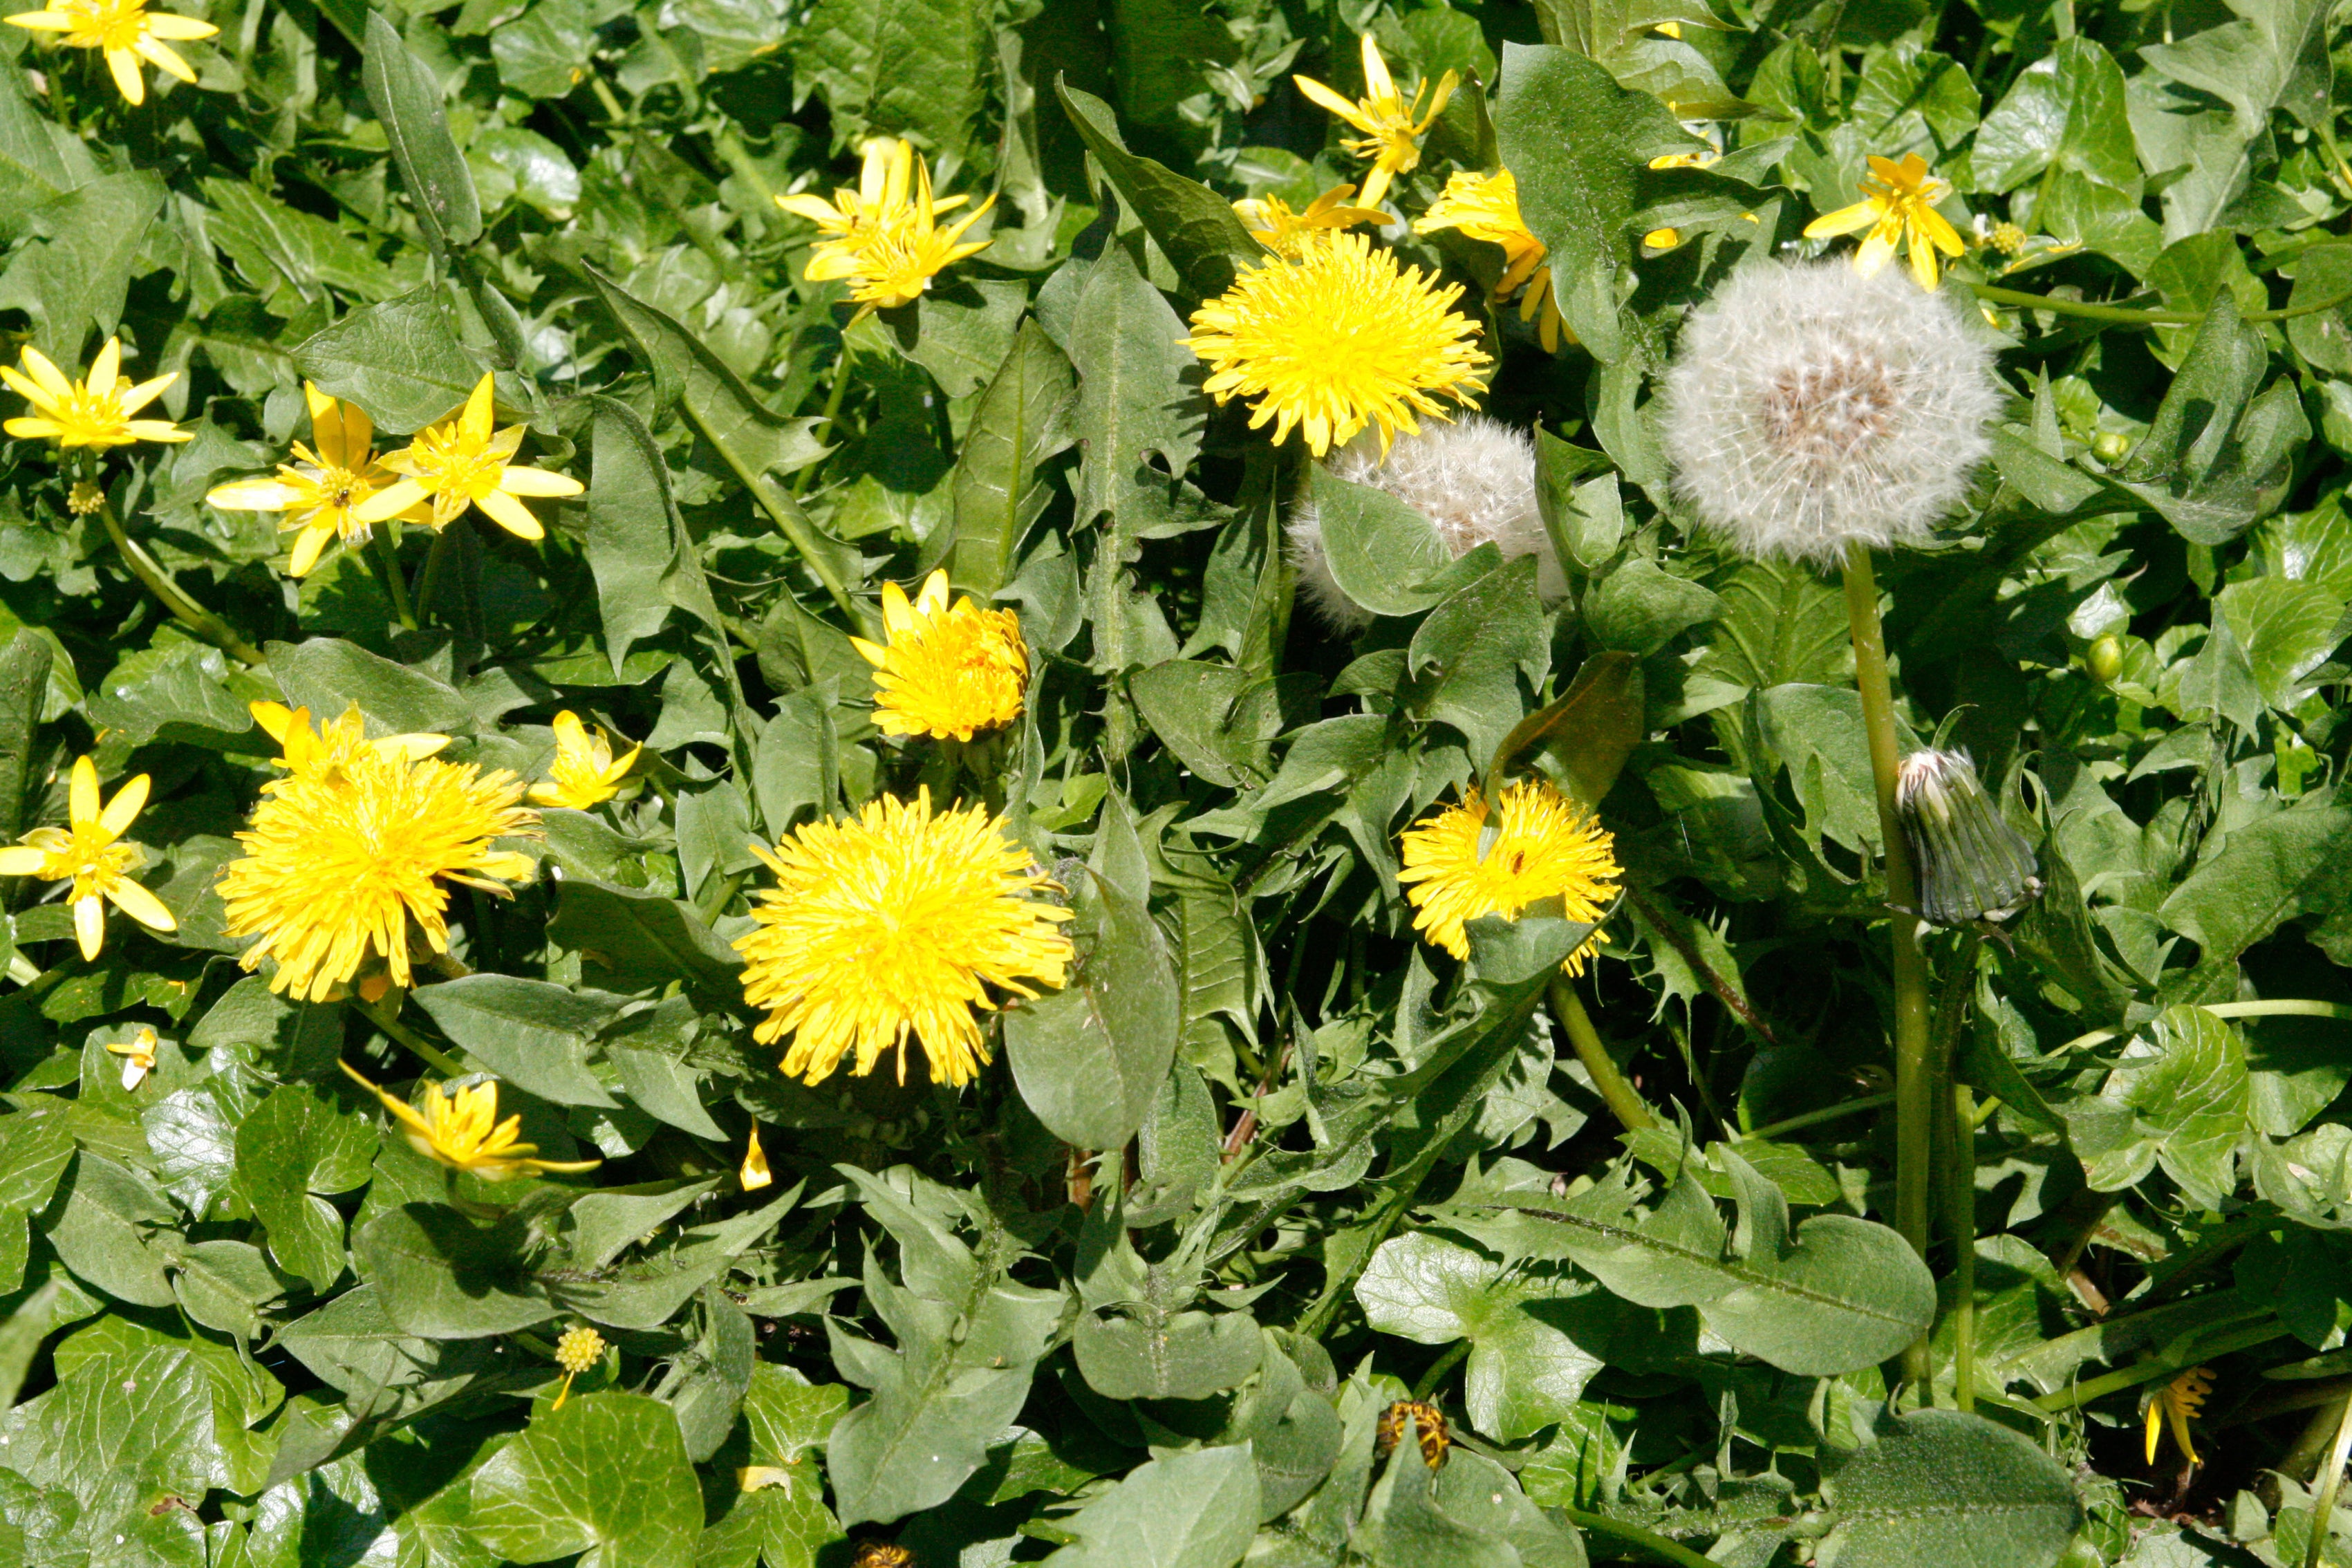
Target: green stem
point(1914, 1080)
point(429, 587)
point(1656, 1545)
point(832, 413)
point(611, 105)
point(731, 147)
point(2129, 317)
point(1961, 1219)
point(190, 614)
point(1624, 1102)
point(2323, 1506)
point(2286, 1007)
point(441, 1060)
point(1439, 1368)
point(2080, 1394)
point(1815, 1118)
point(389, 561)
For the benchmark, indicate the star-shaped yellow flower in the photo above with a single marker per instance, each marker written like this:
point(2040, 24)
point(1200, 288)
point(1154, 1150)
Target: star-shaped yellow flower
point(888, 248)
point(1898, 208)
point(464, 462)
point(320, 493)
point(584, 772)
point(880, 199)
point(324, 753)
point(1391, 127)
point(127, 31)
point(1486, 206)
point(85, 853)
point(1272, 223)
point(460, 1129)
point(96, 411)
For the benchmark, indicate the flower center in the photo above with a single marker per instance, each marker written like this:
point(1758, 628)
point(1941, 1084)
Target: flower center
point(448, 462)
point(1828, 411)
point(108, 24)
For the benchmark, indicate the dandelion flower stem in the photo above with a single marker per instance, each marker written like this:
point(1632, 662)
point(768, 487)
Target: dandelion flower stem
point(1960, 1197)
point(190, 614)
point(2331, 1477)
point(438, 1059)
point(832, 414)
point(1913, 1080)
point(2128, 317)
point(1624, 1102)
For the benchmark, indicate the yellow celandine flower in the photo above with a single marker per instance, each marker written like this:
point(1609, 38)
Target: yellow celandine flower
point(1544, 847)
point(584, 772)
point(337, 867)
point(886, 172)
point(320, 494)
point(945, 671)
point(127, 31)
point(1285, 233)
point(138, 1055)
point(888, 248)
point(1486, 206)
point(2173, 1404)
point(1898, 208)
point(897, 922)
point(755, 1172)
point(96, 411)
point(1391, 127)
point(459, 1127)
point(462, 461)
point(85, 852)
point(1337, 339)
point(576, 1350)
point(323, 753)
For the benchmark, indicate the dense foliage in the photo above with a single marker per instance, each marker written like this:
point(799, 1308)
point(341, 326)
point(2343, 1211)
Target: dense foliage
point(1260, 1162)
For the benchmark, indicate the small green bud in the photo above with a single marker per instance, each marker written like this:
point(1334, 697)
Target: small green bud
point(2109, 445)
point(1973, 866)
point(2105, 661)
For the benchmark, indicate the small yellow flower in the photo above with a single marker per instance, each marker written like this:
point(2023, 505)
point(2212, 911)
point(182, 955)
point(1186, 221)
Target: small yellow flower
point(1286, 233)
point(321, 493)
point(945, 673)
point(888, 248)
point(1486, 206)
point(895, 922)
point(584, 772)
point(755, 1172)
point(882, 1554)
point(1337, 339)
point(85, 853)
point(93, 412)
point(325, 753)
point(880, 200)
point(1898, 208)
point(138, 1056)
point(462, 461)
point(576, 1350)
point(2173, 1404)
point(1544, 846)
point(1391, 127)
point(460, 1129)
point(85, 497)
point(127, 31)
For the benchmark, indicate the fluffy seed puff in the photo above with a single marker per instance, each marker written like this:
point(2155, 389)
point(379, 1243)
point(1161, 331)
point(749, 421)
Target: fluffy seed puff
point(1810, 408)
point(1475, 482)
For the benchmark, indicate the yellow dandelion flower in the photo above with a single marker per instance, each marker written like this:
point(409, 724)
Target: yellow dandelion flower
point(1341, 339)
point(128, 32)
point(584, 772)
point(1898, 208)
point(1286, 233)
point(1428, 1422)
point(755, 1172)
point(888, 248)
point(86, 853)
point(576, 1350)
point(1486, 206)
point(2173, 1404)
point(320, 493)
point(462, 461)
point(1391, 127)
point(323, 753)
point(138, 1053)
point(1544, 846)
point(892, 923)
point(96, 411)
point(341, 869)
point(459, 1127)
point(882, 1554)
point(945, 673)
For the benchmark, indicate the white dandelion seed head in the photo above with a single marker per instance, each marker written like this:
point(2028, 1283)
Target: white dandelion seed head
point(1809, 408)
point(1473, 478)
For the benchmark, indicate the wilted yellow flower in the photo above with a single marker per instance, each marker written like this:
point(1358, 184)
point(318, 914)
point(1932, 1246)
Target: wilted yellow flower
point(1899, 207)
point(888, 248)
point(584, 772)
point(459, 1127)
point(897, 922)
point(85, 852)
point(1486, 206)
point(576, 1350)
point(1391, 127)
point(337, 868)
point(320, 493)
point(2173, 1404)
point(1272, 225)
point(138, 1053)
point(96, 411)
point(323, 753)
point(1429, 1425)
point(755, 1172)
point(1335, 341)
point(945, 673)
point(461, 462)
point(127, 31)
point(1544, 848)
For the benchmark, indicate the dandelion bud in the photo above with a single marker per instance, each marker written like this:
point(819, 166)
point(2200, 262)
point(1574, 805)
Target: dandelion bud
point(1973, 866)
point(1475, 479)
point(1810, 408)
point(1428, 1421)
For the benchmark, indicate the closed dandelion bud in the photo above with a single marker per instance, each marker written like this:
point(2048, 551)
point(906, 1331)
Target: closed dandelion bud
point(1811, 409)
point(1474, 480)
point(1429, 1423)
point(1973, 866)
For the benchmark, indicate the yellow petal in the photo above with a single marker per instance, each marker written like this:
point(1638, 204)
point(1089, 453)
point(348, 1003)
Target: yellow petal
point(90, 925)
point(480, 413)
point(164, 58)
point(875, 656)
point(1378, 83)
point(518, 481)
point(44, 374)
point(308, 545)
point(755, 1172)
point(1875, 252)
point(1845, 220)
point(81, 793)
point(43, 21)
point(125, 807)
point(141, 905)
point(511, 514)
point(21, 861)
point(106, 368)
point(389, 501)
point(571, 735)
point(170, 25)
point(1324, 98)
point(276, 719)
point(898, 616)
point(933, 597)
point(250, 495)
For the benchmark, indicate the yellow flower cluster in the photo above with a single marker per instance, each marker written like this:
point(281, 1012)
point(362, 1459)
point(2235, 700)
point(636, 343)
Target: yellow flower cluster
point(888, 248)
